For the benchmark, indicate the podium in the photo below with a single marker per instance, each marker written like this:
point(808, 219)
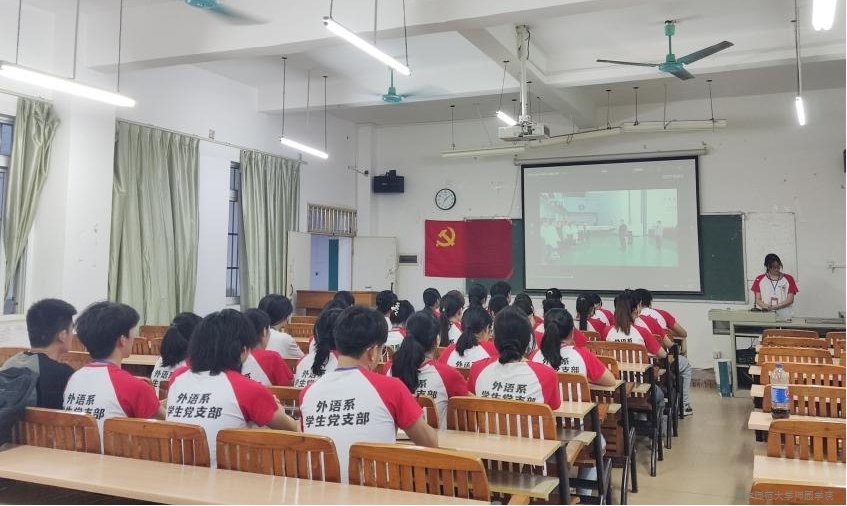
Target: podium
point(310, 302)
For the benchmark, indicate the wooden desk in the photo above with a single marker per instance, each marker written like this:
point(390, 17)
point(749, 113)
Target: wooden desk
point(570, 409)
point(179, 484)
point(310, 302)
point(757, 391)
point(760, 420)
point(801, 472)
point(145, 360)
point(633, 367)
point(755, 370)
point(519, 450)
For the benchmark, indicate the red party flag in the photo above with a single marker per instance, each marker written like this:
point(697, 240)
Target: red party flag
point(468, 249)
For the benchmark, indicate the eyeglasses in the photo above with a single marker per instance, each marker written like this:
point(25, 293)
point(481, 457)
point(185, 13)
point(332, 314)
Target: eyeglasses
point(775, 266)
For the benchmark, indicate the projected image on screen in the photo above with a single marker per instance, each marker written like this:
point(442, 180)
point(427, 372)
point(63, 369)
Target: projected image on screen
point(606, 226)
point(594, 228)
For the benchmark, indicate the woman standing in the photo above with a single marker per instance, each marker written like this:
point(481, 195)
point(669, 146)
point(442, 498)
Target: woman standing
point(774, 290)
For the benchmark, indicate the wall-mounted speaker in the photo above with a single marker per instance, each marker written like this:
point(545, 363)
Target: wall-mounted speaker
point(389, 183)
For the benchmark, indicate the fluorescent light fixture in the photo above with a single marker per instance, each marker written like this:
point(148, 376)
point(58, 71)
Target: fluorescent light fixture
point(505, 118)
point(801, 111)
point(661, 126)
point(576, 136)
point(367, 47)
point(302, 147)
point(467, 153)
point(33, 77)
point(823, 14)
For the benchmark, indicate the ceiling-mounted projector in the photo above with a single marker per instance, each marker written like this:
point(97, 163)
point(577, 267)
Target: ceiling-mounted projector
point(523, 132)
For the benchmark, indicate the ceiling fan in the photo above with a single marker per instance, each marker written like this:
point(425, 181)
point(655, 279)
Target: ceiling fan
point(391, 97)
point(228, 14)
point(672, 64)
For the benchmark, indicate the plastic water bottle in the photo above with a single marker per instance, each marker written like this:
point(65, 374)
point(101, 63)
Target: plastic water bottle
point(779, 392)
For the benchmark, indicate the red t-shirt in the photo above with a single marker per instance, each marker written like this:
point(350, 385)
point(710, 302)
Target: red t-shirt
point(520, 381)
point(575, 359)
point(636, 334)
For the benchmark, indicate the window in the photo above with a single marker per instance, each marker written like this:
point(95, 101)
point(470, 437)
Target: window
point(233, 257)
point(10, 301)
point(328, 220)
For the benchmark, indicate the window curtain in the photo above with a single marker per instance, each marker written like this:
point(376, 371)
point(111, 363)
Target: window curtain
point(270, 200)
point(35, 126)
point(153, 250)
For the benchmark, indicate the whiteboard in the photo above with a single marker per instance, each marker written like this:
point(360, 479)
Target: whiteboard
point(13, 331)
point(770, 233)
point(375, 263)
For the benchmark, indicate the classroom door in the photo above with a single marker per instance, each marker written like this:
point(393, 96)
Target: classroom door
point(374, 263)
point(298, 267)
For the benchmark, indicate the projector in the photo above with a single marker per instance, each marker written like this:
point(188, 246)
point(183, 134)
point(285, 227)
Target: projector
point(525, 132)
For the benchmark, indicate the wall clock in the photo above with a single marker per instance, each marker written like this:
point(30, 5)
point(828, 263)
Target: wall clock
point(445, 199)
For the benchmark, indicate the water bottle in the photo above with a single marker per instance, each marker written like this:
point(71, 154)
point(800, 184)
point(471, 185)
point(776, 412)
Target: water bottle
point(779, 392)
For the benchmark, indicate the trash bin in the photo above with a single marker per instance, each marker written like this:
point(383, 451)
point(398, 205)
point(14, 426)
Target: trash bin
point(723, 376)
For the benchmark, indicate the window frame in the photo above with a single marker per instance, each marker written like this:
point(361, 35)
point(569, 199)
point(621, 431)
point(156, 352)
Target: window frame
point(234, 239)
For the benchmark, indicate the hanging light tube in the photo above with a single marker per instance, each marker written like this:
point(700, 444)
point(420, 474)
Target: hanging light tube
point(285, 141)
point(798, 99)
point(367, 47)
point(823, 14)
point(661, 126)
point(801, 111)
point(505, 118)
point(23, 74)
point(467, 153)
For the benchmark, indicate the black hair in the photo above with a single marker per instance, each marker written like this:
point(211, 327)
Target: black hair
point(101, 325)
point(344, 297)
point(512, 333)
point(174, 347)
point(625, 304)
point(358, 328)
point(771, 258)
point(584, 305)
point(548, 304)
point(45, 319)
point(558, 325)
point(384, 300)
point(278, 307)
point(644, 296)
point(497, 303)
point(477, 294)
point(524, 303)
point(474, 320)
point(421, 337)
point(431, 296)
point(218, 341)
point(450, 306)
point(595, 298)
point(553, 293)
point(500, 288)
point(324, 339)
point(458, 295)
point(260, 321)
point(401, 311)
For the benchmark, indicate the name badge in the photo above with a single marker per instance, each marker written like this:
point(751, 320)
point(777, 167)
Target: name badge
point(774, 301)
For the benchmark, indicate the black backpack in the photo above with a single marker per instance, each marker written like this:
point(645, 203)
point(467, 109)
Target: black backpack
point(17, 391)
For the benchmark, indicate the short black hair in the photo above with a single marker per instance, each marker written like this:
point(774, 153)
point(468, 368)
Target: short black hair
point(772, 258)
point(278, 307)
point(431, 296)
point(345, 297)
point(512, 333)
point(477, 293)
point(218, 341)
point(384, 300)
point(174, 347)
point(496, 304)
point(553, 293)
point(101, 325)
point(500, 288)
point(259, 321)
point(524, 303)
point(45, 319)
point(644, 296)
point(358, 328)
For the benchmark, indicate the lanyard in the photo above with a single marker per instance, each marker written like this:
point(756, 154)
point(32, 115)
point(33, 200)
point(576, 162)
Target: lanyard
point(774, 284)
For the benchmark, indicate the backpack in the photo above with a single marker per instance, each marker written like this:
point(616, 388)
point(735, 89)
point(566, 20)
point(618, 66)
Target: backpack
point(17, 391)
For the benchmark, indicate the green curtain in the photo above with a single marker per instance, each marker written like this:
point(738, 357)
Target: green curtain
point(35, 127)
point(270, 200)
point(153, 250)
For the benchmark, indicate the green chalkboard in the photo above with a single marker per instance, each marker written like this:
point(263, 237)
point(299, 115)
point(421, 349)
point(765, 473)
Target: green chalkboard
point(721, 259)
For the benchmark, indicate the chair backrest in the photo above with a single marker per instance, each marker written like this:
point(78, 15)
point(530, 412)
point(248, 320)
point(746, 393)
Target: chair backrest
point(803, 355)
point(9, 351)
point(807, 374)
point(431, 414)
point(152, 331)
point(140, 346)
point(833, 337)
point(289, 397)
point(574, 387)
point(388, 353)
point(591, 335)
point(58, 429)
point(811, 400)
point(76, 344)
point(75, 359)
point(838, 347)
point(795, 342)
point(417, 469)
point(278, 452)
point(164, 386)
point(611, 364)
point(303, 344)
point(622, 352)
point(464, 371)
point(155, 345)
point(497, 416)
point(173, 442)
point(437, 352)
point(299, 329)
point(308, 320)
point(806, 440)
point(291, 363)
point(779, 492)
point(791, 333)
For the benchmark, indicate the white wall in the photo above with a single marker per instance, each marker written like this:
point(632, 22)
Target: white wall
point(762, 162)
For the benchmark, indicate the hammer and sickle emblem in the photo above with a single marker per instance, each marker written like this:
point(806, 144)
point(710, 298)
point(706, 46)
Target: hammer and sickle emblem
point(446, 238)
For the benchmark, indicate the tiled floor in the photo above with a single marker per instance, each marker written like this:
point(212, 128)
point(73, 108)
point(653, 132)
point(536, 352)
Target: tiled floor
point(711, 461)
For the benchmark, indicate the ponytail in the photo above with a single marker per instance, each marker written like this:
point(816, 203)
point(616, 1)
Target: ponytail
point(584, 306)
point(174, 347)
point(324, 339)
point(474, 320)
point(512, 333)
point(421, 333)
point(558, 325)
point(625, 304)
point(450, 305)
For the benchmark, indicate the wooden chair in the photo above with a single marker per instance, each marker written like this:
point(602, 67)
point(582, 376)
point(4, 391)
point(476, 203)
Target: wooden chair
point(622, 352)
point(309, 320)
point(292, 363)
point(140, 346)
point(802, 355)
point(152, 331)
point(807, 374)
point(75, 359)
point(833, 337)
point(155, 346)
point(591, 335)
point(437, 352)
point(58, 429)
point(8, 352)
point(164, 386)
point(302, 330)
point(388, 353)
point(279, 453)
point(430, 413)
point(289, 397)
point(464, 371)
point(791, 333)
point(76, 344)
point(795, 342)
point(838, 349)
point(811, 400)
point(303, 344)
point(778, 492)
point(807, 440)
point(157, 440)
point(417, 469)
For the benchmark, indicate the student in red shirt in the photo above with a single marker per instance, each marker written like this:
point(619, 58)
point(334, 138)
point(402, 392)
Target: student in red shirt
point(451, 313)
point(601, 313)
point(397, 315)
point(432, 301)
point(558, 351)
point(174, 347)
point(322, 357)
point(496, 304)
point(586, 314)
point(524, 303)
point(262, 365)
point(474, 344)
point(477, 295)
